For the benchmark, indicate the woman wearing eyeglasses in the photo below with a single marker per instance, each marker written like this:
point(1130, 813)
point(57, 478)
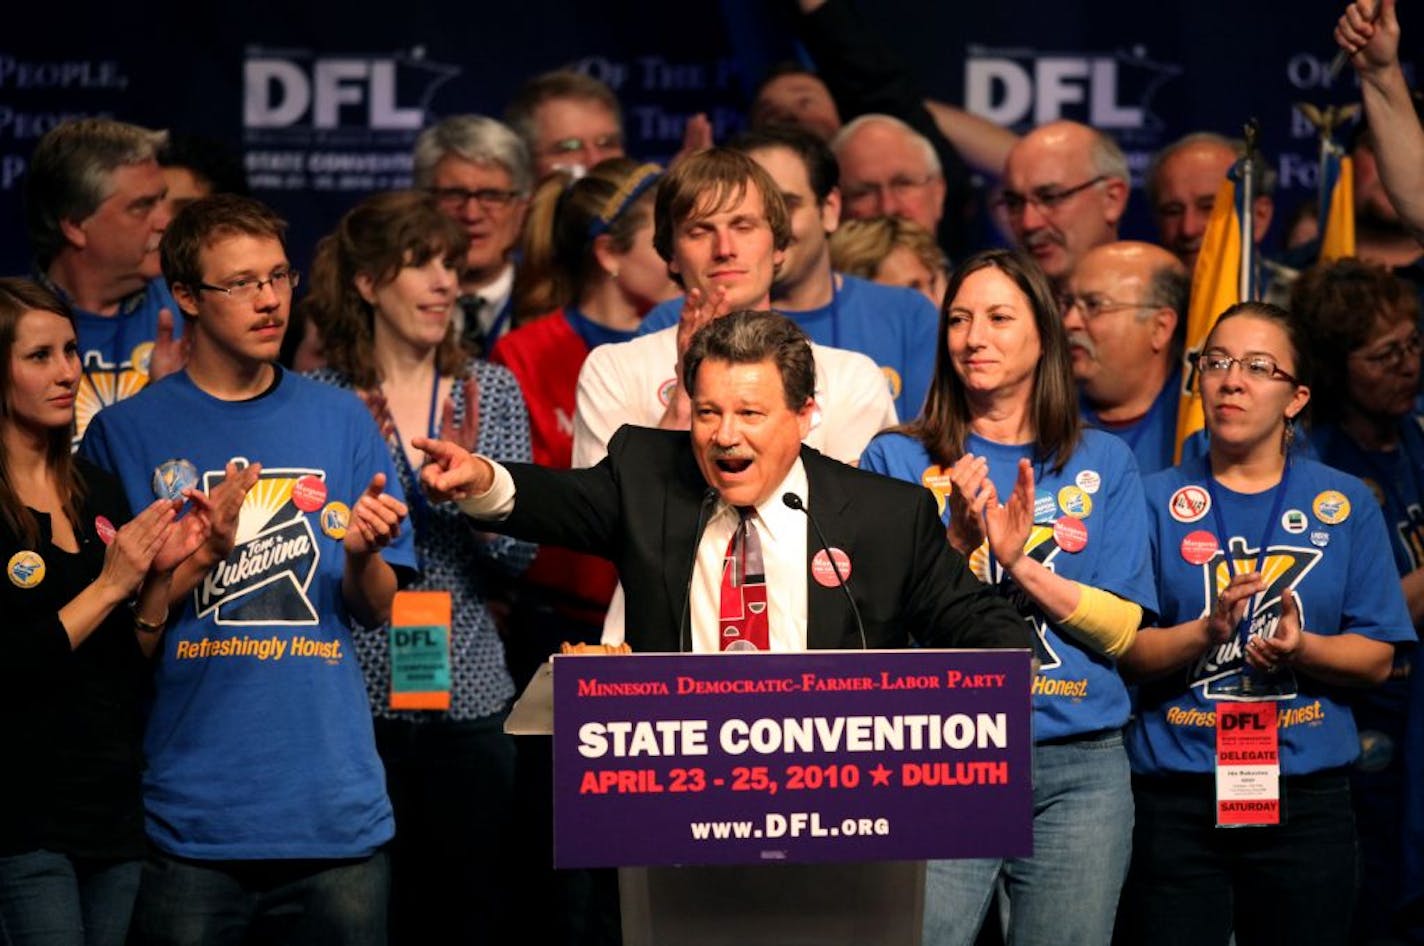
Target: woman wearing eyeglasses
point(85, 601)
point(1269, 568)
point(383, 293)
point(1362, 322)
point(1052, 515)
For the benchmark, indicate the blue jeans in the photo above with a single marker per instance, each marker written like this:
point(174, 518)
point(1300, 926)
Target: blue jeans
point(215, 903)
point(50, 899)
point(1066, 893)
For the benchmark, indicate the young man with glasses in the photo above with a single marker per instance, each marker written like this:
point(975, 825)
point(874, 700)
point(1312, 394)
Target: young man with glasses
point(1065, 190)
point(1122, 308)
point(265, 799)
point(478, 173)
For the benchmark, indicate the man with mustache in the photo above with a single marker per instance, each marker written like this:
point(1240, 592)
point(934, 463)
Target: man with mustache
point(1065, 191)
point(95, 211)
point(265, 798)
point(1122, 308)
point(702, 527)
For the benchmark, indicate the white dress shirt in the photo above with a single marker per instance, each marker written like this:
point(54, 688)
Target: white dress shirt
point(782, 531)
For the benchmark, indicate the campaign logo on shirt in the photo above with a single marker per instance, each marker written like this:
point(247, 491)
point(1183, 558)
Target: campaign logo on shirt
point(1042, 545)
point(1282, 568)
point(104, 383)
point(264, 580)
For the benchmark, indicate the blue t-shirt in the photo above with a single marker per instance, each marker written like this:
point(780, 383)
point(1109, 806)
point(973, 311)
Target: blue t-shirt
point(259, 742)
point(1097, 495)
point(114, 350)
point(1152, 438)
point(1328, 547)
point(895, 327)
point(594, 334)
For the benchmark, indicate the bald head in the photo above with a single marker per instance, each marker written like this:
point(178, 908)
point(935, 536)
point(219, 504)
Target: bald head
point(1065, 189)
point(1182, 184)
point(1125, 301)
point(888, 170)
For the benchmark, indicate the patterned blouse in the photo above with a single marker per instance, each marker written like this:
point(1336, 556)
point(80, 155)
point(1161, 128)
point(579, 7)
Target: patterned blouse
point(455, 556)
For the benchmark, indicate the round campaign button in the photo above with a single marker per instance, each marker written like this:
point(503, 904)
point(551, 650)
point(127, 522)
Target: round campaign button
point(936, 480)
point(1294, 521)
point(172, 477)
point(1089, 481)
point(1045, 507)
point(335, 519)
point(1075, 502)
point(308, 493)
point(1070, 534)
point(1199, 547)
point(822, 571)
point(1189, 503)
point(892, 380)
point(1320, 538)
point(666, 390)
point(141, 358)
point(105, 529)
point(1331, 507)
point(26, 569)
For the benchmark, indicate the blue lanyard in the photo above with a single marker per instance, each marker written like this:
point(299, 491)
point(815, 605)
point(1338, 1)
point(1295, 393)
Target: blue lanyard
point(419, 505)
point(1224, 537)
point(501, 317)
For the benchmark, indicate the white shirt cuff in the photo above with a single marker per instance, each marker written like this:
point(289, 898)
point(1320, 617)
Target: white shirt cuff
point(497, 502)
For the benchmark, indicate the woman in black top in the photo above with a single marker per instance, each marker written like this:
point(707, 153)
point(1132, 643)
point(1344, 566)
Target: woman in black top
point(82, 605)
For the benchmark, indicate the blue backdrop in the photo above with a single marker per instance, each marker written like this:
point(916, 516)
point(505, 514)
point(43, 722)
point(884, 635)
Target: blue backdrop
point(323, 99)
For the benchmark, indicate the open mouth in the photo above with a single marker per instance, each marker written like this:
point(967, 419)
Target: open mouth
point(733, 464)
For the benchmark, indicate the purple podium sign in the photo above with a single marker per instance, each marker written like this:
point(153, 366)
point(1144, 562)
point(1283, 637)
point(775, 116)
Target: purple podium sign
point(663, 759)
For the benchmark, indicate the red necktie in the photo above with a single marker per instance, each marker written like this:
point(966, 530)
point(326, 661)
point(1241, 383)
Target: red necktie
point(744, 624)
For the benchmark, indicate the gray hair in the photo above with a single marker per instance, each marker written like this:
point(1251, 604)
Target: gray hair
point(750, 336)
point(70, 174)
point(1107, 157)
point(838, 143)
point(1265, 176)
point(475, 138)
point(551, 86)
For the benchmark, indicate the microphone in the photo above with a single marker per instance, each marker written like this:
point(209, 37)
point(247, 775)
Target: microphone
point(793, 501)
point(684, 627)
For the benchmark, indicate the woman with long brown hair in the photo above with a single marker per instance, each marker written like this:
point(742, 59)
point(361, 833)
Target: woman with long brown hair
point(85, 602)
point(384, 290)
point(1001, 419)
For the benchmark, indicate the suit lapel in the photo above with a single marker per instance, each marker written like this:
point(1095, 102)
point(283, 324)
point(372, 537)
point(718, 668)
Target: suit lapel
point(828, 615)
point(682, 506)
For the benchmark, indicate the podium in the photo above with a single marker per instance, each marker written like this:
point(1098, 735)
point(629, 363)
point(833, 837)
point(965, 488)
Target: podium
point(877, 904)
point(783, 799)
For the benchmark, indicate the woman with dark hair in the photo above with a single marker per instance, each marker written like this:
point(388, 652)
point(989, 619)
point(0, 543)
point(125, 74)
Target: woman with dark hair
point(85, 604)
point(384, 289)
point(1271, 603)
point(589, 275)
point(1362, 323)
point(1001, 419)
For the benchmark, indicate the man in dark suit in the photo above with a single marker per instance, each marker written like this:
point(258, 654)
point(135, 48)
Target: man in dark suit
point(665, 510)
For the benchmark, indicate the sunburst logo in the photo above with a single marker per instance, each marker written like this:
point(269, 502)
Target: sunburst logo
point(1042, 546)
point(101, 386)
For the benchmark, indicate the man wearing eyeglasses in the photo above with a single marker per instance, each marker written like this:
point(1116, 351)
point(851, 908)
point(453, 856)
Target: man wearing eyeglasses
point(568, 121)
point(95, 211)
point(889, 170)
point(1065, 190)
point(478, 173)
point(1123, 304)
point(263, 792)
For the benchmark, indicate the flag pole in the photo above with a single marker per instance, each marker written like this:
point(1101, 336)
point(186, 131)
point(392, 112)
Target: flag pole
point(1247, 278)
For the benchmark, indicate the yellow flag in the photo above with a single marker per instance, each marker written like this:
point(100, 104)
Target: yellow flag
point(1216, 286)
point(1337, 207)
